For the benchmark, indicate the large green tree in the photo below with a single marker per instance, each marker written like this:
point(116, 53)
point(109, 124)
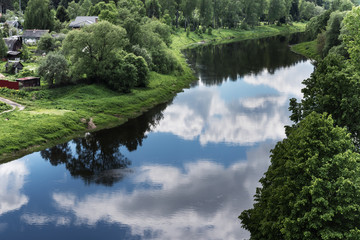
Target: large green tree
point(351, 36)
point(94, 51)
point(54, 69)
point(38, 15)
point(334, 87)
point(312, 187)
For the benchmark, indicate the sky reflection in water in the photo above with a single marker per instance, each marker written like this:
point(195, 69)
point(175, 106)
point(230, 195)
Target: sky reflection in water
point(185, 171)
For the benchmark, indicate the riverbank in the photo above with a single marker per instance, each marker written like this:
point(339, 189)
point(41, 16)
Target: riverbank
point(307, 49)
point(53, 116)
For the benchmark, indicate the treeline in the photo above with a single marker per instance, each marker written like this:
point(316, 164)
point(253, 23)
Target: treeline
point(312, 187)
point(200, 13)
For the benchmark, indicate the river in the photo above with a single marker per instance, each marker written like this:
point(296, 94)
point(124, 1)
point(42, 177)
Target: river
point(184, 170)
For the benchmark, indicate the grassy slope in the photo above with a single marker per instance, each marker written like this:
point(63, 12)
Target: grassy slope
point(307, 49)
point(54, 115)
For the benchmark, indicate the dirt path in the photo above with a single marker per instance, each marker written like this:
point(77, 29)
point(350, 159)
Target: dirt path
point(14, 105)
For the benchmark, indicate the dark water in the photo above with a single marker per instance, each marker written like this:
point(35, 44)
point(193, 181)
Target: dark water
point(184, 170)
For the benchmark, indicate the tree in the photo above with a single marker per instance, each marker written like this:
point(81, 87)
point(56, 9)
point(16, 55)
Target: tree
point(74, 10)
point(333, 31)
point(54, 69)
point(3, 48)
point(334, 88)
point(351, 36)
point(46, 43)
point(92, 50)
point(62, 14)
point(312, 187)
point(38, 15)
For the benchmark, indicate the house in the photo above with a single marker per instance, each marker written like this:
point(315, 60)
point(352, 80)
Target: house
point(28, 81)
point(14, 24)
point(13, 43)
point(14, 66)
point(83, 21)
point(33, 35)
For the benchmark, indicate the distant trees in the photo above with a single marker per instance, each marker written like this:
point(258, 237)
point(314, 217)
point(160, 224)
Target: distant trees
point(312, 187)
point(38, 15)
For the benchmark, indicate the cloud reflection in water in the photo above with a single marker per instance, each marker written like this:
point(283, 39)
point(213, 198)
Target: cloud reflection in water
point(210, 117)
point(201, 202)
point(12, 180)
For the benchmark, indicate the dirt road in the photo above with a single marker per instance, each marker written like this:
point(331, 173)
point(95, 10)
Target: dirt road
point(14, 105)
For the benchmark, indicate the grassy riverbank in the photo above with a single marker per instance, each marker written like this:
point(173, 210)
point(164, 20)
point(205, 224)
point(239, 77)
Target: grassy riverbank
point(307, 49)
point(56, 115)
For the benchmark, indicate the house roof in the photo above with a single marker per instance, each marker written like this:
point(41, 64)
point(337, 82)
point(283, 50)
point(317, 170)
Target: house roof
point(27, 79)
point(17, 64)
point(14, 23)
point(34, 33)
point(83, 21)
point(10, 42)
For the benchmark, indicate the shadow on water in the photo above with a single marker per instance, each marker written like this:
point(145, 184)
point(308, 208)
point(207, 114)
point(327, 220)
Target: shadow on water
point(96, 158)
point(215, 64)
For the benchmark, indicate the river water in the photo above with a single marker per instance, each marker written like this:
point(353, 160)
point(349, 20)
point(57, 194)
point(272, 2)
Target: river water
point(184, 170)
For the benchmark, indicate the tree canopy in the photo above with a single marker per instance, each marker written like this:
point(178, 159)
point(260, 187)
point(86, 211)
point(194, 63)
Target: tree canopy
point(38, 15)
point(312, 187)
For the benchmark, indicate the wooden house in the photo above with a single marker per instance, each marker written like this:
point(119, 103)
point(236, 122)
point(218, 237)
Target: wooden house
point(28, 81)
point(14, 66)
point(33, 35)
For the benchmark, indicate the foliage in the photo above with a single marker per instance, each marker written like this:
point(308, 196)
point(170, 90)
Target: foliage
point(92, 51)
point(46, 43)
point(25, 52)
point(334, 87)
point(38, 15)
point(351, 36)
point(312, 187)
point(54, 69)
point(4, 107)
point(3, 48)
point(62, 14)
point(333, 31)
point(309, 10)
point(317, 24)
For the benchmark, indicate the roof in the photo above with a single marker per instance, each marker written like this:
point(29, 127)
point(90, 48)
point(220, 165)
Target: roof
point(17, 64)
point(14, 23)
point(83, 21)
point(27, 79)
point(10, 42)
point(34, 33)
point(13, 53)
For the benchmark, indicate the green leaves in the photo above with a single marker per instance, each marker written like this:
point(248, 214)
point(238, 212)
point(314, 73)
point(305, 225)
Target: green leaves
point(312, 187)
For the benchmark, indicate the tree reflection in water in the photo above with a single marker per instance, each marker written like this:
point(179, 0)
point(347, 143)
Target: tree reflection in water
point(215, 64)
point(96, 158)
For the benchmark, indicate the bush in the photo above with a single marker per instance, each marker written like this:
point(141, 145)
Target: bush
point(210, 31)
point(46, 43)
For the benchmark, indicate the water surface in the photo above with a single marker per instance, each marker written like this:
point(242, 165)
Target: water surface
point(184, 170)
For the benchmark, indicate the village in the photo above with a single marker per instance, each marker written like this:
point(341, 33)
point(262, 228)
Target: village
point(22, 54)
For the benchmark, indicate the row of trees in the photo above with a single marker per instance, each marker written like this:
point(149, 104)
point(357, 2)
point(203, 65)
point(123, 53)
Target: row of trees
point(312, 187)
point(184, 13)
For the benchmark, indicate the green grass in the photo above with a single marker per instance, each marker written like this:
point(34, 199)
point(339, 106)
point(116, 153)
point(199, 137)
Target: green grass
point(180, 40)
point(56, 115)
point(307, 49)
point(4, 107)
